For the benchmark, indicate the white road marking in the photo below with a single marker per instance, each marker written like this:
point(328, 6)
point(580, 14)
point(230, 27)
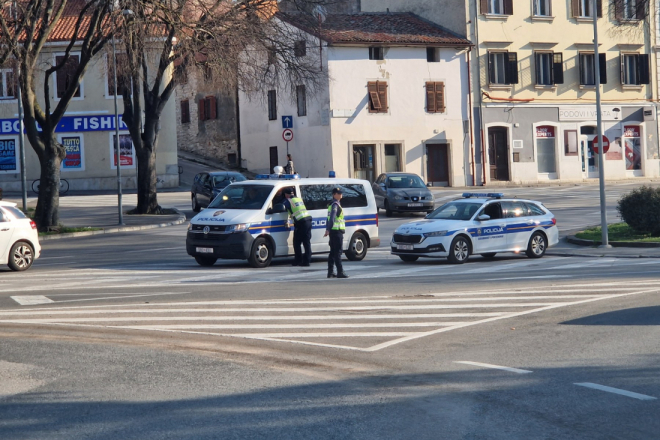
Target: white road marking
point(31, 300)
point(532, 278)
point(284, 326)
point(621, 392)
point(496, 367)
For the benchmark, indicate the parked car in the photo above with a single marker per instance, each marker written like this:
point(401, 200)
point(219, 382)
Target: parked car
point(19, 239)
point(402, 192)
point(208, 185)
point(484, 224)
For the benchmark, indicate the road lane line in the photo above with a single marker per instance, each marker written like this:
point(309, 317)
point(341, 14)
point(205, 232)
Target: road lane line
point(621, 392)
point(286, 326)
point(31, 300)
point(496, 367)
point(533, 278)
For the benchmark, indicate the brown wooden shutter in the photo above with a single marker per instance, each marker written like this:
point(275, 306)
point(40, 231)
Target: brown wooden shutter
point(599, 8)
point(622, 67)
point(202, 110)
point(644, 69)
point(484, 6)
point(382, 95)
point(575, 8)
point(602, 61)
point(213, 112)
point(557, 68)
point(430, 97)
point(374, 101)
point(508, 7)
point(185, 111)
point(440, 97)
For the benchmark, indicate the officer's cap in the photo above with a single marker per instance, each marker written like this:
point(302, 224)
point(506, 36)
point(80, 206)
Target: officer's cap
point(336, 190)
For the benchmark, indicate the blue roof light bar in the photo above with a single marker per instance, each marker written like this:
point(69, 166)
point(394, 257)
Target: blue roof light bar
point(483, 195)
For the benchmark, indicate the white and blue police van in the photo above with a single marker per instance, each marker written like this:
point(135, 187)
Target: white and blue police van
point(484, 224)
point(248, 220)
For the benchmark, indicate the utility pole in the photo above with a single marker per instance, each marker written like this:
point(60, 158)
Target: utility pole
point(117, 152)
point(21, 137)
point(601, 156)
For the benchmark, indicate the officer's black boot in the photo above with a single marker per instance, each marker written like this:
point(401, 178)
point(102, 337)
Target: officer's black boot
point(342, 274)
point(331, 274)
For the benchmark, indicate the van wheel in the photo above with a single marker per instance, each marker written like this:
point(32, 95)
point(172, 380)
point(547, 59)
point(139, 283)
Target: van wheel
point(205, 261)
point(409, 258)
point(357, 248)
point(195, 204)
point(537, 245)
point(388, 211)
point(459, 251)
point(261, 254)
point(21, 256)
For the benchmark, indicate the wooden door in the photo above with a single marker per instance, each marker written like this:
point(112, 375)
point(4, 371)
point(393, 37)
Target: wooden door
point(498, 153)
point(438, 164)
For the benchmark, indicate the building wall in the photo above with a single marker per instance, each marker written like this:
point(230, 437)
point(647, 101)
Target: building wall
point(97, 170)
point(406, 71)
point(214, 138)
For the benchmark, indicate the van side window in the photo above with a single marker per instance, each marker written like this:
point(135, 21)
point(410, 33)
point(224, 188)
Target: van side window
point(353, 196)
point(316, 196)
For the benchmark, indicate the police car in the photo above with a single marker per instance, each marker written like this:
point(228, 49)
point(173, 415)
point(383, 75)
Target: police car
point(248, 220)
point(484, 224)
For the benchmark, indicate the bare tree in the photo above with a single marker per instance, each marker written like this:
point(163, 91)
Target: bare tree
point(230, 43)
point(26, 27)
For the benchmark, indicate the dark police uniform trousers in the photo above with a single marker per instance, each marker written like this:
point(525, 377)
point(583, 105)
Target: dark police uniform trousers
point(302, 235)
point(336, 243)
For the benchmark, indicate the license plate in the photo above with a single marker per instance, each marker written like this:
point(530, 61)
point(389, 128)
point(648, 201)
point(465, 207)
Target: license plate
point(204, 250)
point(414, 205)
point(405, 247)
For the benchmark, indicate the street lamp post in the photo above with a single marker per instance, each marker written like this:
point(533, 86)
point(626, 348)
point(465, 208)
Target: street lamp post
point(601, 156)
point(117, 152)
point(21, 138)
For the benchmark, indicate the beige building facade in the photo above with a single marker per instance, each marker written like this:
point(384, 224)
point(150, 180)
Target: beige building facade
point(87, 131)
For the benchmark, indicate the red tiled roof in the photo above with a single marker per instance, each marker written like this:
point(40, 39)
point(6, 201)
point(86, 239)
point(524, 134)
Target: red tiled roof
point(381, 28)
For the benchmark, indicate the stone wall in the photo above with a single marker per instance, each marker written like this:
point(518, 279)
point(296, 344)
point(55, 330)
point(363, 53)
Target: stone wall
point(213, 138)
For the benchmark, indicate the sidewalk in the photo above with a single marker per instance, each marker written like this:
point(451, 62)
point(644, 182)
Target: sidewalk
point(566, 249)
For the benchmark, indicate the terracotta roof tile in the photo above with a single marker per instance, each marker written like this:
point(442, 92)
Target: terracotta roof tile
point(375, 28)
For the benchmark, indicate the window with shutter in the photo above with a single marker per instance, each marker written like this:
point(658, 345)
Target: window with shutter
point(301, 100)
point(300, 48)
point(602, 63)
point(65, 76)
point(201, 108)
point(272, 105)
point(558, 68)
point(435, 97)
point(7, 83)
point(430, 97)
point(644, 66)
point(374, 100)
point(512, 68)
point(211, 107)
point(382, 95)
point(185, 111)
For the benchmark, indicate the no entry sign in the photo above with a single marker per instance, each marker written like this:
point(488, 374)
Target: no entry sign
point(287, 135)
point(606, 145)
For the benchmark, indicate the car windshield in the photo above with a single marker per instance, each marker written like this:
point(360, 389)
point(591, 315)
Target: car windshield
point(405, 182)
point(242, 197)
point(455, 211)
point(225, 179)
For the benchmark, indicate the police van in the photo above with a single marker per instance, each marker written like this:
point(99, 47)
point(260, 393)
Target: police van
point(478, 223)
point(248, 220)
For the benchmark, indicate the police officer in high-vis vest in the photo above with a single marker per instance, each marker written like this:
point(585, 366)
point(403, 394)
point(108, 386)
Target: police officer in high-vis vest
point(302, 222)
point(335, 227)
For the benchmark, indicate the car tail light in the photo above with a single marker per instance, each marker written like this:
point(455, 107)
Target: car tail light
point(33, 224)
point(554, 221)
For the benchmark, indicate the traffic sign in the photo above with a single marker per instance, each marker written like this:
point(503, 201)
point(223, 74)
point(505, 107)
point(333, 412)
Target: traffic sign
point(606, 145)
point(287, 135)
point(287, 121)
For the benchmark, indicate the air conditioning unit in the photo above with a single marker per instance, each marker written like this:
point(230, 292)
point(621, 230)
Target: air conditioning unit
point(649, 113)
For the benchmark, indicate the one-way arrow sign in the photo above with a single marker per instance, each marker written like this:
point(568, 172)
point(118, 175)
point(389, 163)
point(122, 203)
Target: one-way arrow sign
point(287, 121)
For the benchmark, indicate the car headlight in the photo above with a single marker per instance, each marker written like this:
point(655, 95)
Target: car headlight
point(190, 226)
point(241, 227)
point(398, 197)
point(435, 234)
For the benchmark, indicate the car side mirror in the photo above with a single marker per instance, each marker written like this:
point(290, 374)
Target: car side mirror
point(278, 208)
point(483, 218)
point(428, 185)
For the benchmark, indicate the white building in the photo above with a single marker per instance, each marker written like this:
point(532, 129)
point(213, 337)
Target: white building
point(395, 99)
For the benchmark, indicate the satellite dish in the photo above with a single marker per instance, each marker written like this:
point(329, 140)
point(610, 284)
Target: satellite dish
point(320, 12)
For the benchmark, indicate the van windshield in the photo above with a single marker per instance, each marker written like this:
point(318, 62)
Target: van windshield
point(238, 196)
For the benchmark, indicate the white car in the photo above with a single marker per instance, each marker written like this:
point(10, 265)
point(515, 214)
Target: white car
point(19, 239)
point(484, 224)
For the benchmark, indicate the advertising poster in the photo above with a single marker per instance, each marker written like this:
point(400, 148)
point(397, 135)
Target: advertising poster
point(8, 155)
point(125, 150)
point(73, 159)
point(633, 147)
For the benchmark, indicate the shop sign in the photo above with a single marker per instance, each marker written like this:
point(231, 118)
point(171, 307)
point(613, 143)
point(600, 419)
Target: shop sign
point(73, 159)
point(588, 113)
point(71, 124)
point(631, 131)
point(545, 131)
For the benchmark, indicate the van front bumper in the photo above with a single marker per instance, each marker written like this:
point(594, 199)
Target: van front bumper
point(235, 246)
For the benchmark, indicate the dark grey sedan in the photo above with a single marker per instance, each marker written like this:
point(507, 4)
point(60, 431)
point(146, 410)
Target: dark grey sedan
point(402, 192)
point(208, 185)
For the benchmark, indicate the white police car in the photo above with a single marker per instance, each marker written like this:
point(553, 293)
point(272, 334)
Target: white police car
point(484, 224)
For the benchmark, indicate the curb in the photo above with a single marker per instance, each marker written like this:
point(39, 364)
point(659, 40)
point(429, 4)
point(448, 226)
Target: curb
point(581, 242)
point(114, 230)
point(575, 254)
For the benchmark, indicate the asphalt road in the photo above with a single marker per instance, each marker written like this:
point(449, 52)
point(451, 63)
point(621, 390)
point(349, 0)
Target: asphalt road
point(124, 336)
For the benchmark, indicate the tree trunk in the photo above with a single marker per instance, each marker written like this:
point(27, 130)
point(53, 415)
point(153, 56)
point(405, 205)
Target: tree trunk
point(147, 199)
point(47, 212)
